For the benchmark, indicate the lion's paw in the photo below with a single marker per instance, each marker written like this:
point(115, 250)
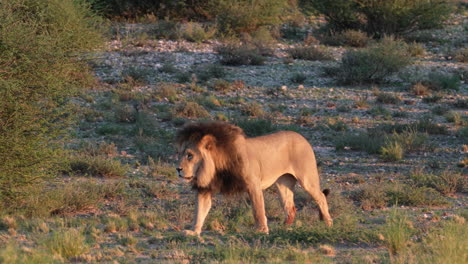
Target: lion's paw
point(263, 230)
point(190, 233)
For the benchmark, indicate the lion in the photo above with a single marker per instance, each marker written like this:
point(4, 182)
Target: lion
point(217, 157)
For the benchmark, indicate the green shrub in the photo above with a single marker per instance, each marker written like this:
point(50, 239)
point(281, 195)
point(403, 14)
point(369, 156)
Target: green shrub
point(168, 68)
point(96, 166)
point(359, 141)
point(446, 182)
point(380, 18)
point(439, 110)
point(340, 15)
point(243, 16)
point(244, 54)
point(166, 29)
point(387, 98)
point(392, 151)
point(456, 118)
point(190, 110)
point(309, 53)
point(15, 254)
point(439, 81)
point(427, 125)
point(211, 71)
point(370, 196)
point(397, 232)
point(166, 90)
point(376, 196)
point(183, 9)
point(380, 111)
point(350, 37)
point(410, 139)
point(196, 32)
point(39, 43)
point(125, 113)
point(253, 110)
point(373, 64)
point(403, 194)
point(298, 77)
point(442, 245)
point(139, 74)
point(432, 99)
point(67, 243)
point(222, 85)
point(416, 49)
point(256, 127)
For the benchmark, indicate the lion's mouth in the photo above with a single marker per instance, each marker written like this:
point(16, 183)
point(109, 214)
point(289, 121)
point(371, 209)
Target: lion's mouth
point(185, 178)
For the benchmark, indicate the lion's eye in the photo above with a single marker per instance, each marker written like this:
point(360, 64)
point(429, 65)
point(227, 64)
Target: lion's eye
point(189, 156)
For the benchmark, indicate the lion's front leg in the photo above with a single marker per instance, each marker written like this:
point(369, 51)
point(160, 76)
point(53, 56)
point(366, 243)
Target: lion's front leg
point(258, 207)
point(203, 206)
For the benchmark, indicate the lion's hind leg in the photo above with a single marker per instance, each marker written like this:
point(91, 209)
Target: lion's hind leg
point(285, 185)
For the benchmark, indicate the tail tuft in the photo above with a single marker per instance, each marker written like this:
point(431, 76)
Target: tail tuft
point(326, 192)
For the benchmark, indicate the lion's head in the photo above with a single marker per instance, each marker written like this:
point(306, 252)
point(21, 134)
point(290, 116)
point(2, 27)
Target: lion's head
point(209, 156)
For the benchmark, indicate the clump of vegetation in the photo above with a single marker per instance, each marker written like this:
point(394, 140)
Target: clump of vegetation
point(261, 126)
point(416, 49)
point(312, 53)
point(391, 145)
point(432, 99)
point(211, 71)
point(446, 182)
point(190, 110)
point(242, 16)
point(244, 54)
point(443, 244)
point(377, 196)
point(253, 110)
point(380, 18)
point(221, 85)
point(380, 110)
point(387, 98)
point(139, 75)
point(392, 151)
point(462, 55)
point(166, 90)
point(196, 32)
point(397, 232)
point(298, 77)
point(359, 141)
point(125, 113)
point(67, 243)
point(438, 81)
point(39, 73)
point(439, 110)
point(95, 166)
point(350, 37)
point(420, 89)
point(373, 64)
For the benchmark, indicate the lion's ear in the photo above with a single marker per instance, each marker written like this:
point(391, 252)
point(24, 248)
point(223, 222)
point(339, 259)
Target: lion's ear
point(208, 142)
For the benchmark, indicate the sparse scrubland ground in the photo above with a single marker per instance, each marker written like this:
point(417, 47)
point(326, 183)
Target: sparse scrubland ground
point(387, 118)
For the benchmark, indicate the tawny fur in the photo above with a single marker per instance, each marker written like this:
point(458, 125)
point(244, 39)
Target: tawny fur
point(218, 157)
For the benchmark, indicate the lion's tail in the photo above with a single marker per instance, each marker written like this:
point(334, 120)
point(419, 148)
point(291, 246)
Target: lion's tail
point(326, 192)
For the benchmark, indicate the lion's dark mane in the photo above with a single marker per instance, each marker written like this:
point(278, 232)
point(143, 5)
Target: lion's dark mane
point(227, 180)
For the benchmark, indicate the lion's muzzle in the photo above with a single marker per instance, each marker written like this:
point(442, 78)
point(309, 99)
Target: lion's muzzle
point(180, 173)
